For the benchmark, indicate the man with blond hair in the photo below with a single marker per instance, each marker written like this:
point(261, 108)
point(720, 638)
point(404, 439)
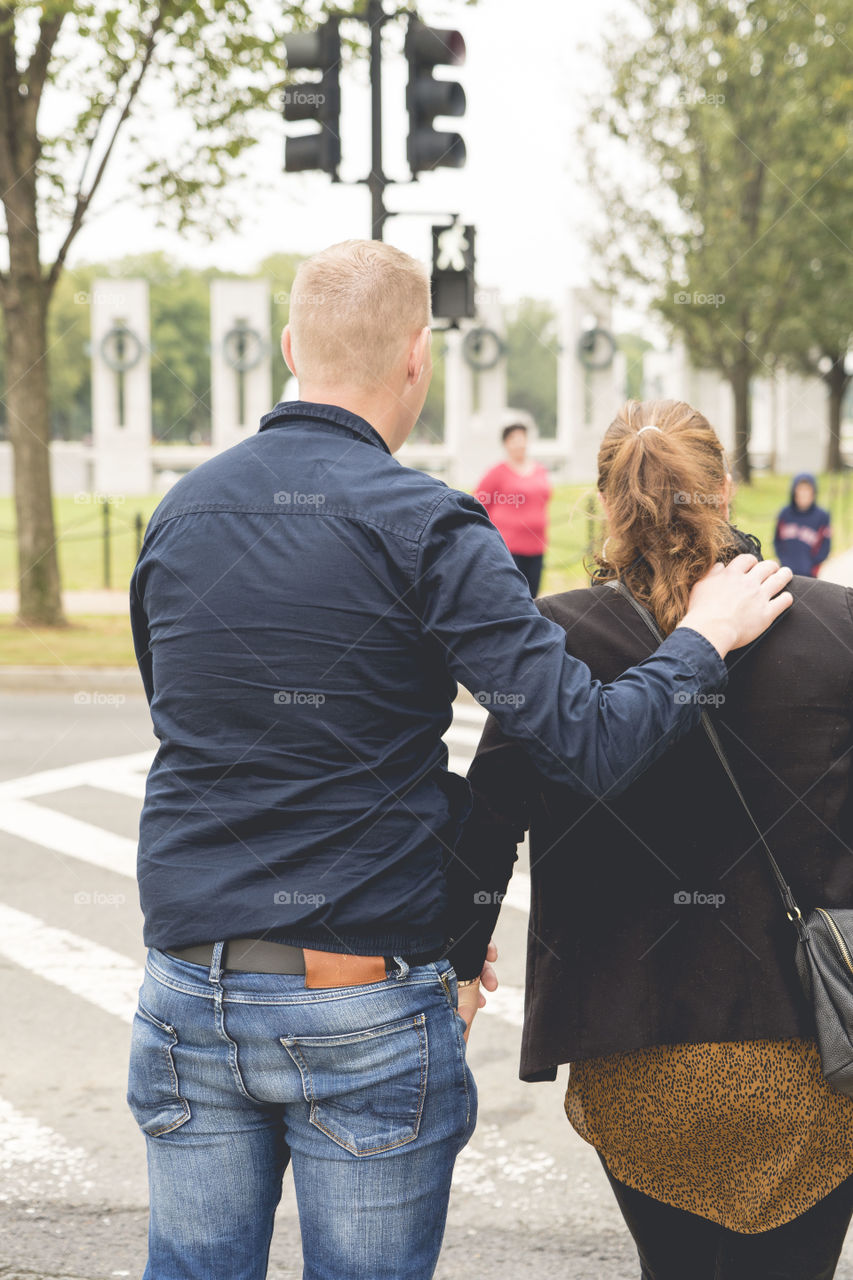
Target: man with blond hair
point(303, 608)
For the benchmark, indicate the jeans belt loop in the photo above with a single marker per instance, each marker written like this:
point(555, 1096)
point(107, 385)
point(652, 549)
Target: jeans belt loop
point(216, 963)
point(403, 969)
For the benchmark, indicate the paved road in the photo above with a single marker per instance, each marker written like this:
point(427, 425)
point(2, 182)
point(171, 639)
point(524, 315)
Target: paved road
point(527, 1193)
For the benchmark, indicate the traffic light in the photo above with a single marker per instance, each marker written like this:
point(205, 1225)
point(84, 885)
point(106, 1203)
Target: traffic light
point(318, 100)
point(452, 280)
point(427, 48)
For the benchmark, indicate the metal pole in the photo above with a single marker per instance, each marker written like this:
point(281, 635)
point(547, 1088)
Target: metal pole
point(139, 528)
point(377, 181)
point(106, 510)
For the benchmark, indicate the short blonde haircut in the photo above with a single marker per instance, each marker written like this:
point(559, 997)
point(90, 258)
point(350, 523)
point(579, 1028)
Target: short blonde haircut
point(354, 309)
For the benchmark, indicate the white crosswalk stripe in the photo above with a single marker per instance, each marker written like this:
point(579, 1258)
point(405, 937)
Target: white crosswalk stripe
point(103, 977)
point(33, 1157)
point(69, 836)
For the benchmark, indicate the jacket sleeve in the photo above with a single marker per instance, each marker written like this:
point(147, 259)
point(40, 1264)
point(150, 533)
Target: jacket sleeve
point(475, 606)
point(503, 785)
point(141, 638)
point(823, 547)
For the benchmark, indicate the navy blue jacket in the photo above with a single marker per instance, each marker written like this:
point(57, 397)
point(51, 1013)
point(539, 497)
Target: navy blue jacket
point(802, 539)
point(302, 609)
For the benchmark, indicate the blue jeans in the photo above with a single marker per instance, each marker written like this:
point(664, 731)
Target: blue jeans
point(364, 1090)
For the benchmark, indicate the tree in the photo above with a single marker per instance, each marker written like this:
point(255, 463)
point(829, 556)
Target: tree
point(106, 69)
point(818, 335)
point(532, 347)
point(736, 111)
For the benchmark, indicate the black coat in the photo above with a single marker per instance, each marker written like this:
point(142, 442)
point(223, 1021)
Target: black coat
point(616, 960)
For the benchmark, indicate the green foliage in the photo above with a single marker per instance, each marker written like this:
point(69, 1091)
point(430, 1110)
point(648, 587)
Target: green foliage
point(532, 341)
point(633, 348)
point(738, 118)
point(430, 425)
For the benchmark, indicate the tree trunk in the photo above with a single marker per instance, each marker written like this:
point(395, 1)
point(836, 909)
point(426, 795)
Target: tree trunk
point(739, 379)
point(28, 411)
point(836, 380)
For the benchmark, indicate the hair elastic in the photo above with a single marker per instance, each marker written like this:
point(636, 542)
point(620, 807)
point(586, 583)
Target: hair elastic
point(650, 427)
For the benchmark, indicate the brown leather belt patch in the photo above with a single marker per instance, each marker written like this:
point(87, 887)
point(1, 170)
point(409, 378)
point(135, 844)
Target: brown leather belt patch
point(331, 969)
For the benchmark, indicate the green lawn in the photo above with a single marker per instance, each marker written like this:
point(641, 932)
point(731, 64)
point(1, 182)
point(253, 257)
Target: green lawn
point(754, 510)
point(101, 640)
point(81, 543)
point(105, 641)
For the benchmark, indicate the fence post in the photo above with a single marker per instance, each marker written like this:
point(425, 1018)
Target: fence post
point(106, 510)
point(140, 529)
point(590, 525)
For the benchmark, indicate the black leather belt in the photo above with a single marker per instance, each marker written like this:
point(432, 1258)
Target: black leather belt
point(258, 955)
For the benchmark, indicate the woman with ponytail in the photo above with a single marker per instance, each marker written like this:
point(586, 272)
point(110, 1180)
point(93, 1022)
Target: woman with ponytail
point(660, 961)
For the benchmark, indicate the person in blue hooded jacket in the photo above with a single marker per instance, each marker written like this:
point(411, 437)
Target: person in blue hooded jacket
point(802, 538)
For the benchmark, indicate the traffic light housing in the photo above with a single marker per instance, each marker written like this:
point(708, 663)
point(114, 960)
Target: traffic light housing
point(453, 265)
point(318, 100)
point(426, 97)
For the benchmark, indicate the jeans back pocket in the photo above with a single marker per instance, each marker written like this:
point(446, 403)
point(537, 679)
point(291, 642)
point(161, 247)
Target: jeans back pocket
point(367, 1088)
point(152, 1090)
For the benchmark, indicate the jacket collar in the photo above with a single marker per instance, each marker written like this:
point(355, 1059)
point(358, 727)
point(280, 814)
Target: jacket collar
point(295, 412)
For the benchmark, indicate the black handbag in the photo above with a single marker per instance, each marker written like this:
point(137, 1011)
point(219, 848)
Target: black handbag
point(824, 946)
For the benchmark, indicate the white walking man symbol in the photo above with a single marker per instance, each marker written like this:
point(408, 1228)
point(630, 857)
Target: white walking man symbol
point(452, 246)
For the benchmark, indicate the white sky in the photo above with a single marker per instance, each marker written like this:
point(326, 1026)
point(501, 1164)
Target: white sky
point(528, 68)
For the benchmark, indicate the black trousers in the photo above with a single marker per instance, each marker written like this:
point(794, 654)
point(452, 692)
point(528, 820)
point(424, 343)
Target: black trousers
point(531, 567)
point(676, 1245)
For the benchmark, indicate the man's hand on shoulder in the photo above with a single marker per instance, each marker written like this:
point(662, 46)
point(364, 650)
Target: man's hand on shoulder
point(734, 603)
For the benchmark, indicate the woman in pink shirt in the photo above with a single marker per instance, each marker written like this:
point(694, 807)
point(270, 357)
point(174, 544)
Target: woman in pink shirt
point(516, 494)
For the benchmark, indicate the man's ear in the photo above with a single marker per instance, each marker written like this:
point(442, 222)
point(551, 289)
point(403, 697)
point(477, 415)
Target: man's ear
point(287, 349)
point(418, 354)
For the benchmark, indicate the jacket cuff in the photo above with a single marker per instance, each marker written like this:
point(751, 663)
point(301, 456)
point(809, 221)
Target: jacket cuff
point(699, 655)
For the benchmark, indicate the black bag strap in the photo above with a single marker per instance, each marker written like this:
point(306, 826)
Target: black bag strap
point(785, 892)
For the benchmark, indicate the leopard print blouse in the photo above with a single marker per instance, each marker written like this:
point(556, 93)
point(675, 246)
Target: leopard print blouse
point(746, 1134)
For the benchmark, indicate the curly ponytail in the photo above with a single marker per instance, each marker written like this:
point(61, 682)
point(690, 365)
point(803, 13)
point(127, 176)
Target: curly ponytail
point(666, 504)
